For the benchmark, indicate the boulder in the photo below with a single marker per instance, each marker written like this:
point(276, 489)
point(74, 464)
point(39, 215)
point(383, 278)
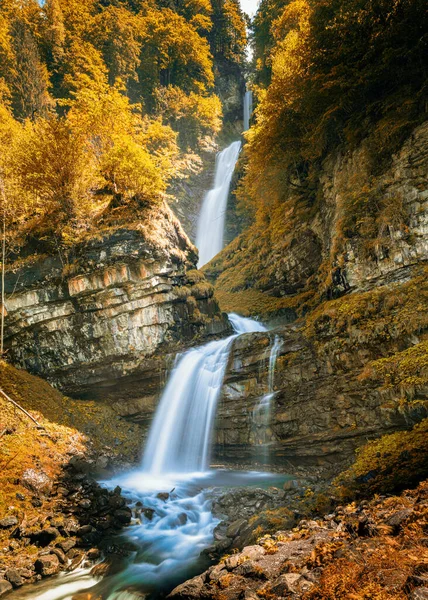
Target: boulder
point(5, 587)
point(36, 481)
point(286, 584)
point(8, 522)
point(14, 577)
point(193, 589)
point(47, 564)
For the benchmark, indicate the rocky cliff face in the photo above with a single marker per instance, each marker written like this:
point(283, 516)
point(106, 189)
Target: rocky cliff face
point(354, 365)
point(100, 320)
point(363, 230)
point(321, 409)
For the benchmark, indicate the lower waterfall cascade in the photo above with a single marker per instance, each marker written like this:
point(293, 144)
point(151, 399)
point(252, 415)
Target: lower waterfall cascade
point(173, 527)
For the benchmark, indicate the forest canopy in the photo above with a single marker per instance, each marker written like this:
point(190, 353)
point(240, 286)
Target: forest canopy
point(102, 101)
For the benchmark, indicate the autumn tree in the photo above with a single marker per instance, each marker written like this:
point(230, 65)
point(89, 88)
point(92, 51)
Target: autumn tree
point(173, 53)
point(29, 78)
point(117, 35)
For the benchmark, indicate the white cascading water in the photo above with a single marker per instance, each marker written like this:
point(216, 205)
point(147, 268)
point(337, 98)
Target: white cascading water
point(180, 436)
point(248, 109)
point(262, 411)
point(169, 530)
point(210, 230)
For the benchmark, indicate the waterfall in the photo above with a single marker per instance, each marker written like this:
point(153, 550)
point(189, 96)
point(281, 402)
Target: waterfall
point(180, 436)
point(248, 108)
point(209, 236)
point(262, 411)
point(170, 529)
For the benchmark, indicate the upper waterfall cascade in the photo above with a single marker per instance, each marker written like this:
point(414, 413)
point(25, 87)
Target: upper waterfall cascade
point(210, 230)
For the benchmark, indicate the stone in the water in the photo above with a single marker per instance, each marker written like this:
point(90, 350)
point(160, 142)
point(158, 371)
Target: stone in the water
point(163, 496)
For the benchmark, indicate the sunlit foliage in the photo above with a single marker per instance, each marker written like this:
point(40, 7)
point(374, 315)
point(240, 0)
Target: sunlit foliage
point(97, 101)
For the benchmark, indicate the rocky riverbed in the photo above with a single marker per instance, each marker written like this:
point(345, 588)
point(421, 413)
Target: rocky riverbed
point(369, 549)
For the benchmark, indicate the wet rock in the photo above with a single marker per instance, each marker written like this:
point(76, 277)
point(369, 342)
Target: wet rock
point(8, 522)
point(77, 559)
point(291, 485)
point(123, 515)
point(93, 554)
point(101, 463)
point(84, 530)
point(14, 577)
point(148, 513)
point(235, 527)
point(116, 501)
point(60, 554)
point(163, 496)
point(193, 589)
point(5, 587)
point(67, 545)
point(47, 565)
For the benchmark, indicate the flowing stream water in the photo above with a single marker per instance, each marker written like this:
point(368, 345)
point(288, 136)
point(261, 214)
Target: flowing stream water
point(172, 528)
point(210, 229)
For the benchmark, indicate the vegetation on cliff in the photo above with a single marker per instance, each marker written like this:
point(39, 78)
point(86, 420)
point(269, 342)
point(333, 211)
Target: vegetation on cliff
point(334, 82)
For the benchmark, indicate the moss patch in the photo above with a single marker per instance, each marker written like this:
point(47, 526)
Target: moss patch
point(69, 427)
point(388, 464)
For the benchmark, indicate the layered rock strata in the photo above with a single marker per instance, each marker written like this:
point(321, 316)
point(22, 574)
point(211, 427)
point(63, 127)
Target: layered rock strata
point(100, 320)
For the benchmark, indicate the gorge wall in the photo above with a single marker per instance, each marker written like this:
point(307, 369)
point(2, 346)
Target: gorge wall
point(101, 321)
point(277, 267)
point(106, 320)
